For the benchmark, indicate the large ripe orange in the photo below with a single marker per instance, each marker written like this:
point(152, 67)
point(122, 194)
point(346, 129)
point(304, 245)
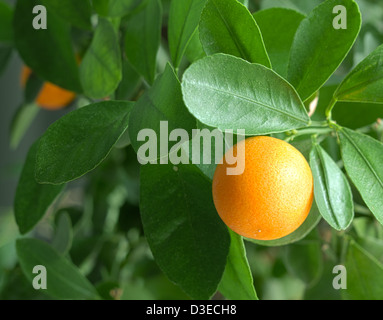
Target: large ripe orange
point(51, 97)
point(274, 194)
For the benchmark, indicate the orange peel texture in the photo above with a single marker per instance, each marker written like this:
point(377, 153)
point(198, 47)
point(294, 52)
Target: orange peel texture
point(274, 194)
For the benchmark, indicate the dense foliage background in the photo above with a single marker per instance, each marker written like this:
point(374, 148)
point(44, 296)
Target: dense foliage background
point(91, 236)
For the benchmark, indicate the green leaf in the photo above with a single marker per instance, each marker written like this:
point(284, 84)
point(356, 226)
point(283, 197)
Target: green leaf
point(362, 157)
point(298, 5)
point(189, 241)
point(364, 275)
point(372, 245)
point(211, 144)
point(237, 280)
point(32, 199)
point(356, 115)
point(162, 102)
point(332, 191)
point(227, 26)
point(6, 28)
point(129, 83)
point(278, 27)
point(303, 259)
point(352, 115)
point(364, 83)
point(48, 52)
point(184, 17)
point(64, 280)
point(142, 39)
point(318, 48)
point(76, 12)
point(323, 288)
point(78, 142)
point(114, 8)
point(32, 88)
point(244, 2)
point(22, 120)
point(229, 93)
point(62, 240)
point(100, 70)
point(325, 95)
point(194, 50)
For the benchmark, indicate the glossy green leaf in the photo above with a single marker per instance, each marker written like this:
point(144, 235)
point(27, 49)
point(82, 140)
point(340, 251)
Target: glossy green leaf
point(78, 142)
point(184, 17)
point(48, 52)
point(114, 8)
point(298, 5)
point(32, 88)
point(101, 7)
point(194, 50)
point(372, 245)
point(212, 145)
point(362, 157)
point(142, 39)
point(189, 241)
point(64, 280)
point(32, 199)
point(129, 84)
point(364, 275)
point(100, 70)
point(227, 26)
point(364, 83)
point(244, 2)
point(325, 95)
point(318, 48)
point(6, 28)
point(76, 12)
point(331, 189)
point(229, 93)
point(237, 280)
point(323, 288)
point(278, 27)
point(162, 102)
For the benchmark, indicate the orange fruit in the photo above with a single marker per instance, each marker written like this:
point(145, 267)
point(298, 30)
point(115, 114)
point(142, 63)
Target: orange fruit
point(51, 97)
point(274, 194)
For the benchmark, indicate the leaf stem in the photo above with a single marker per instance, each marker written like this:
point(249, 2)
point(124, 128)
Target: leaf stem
point(319, 124)
point(331, 105)
point(309, 131)
point(314, 140)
